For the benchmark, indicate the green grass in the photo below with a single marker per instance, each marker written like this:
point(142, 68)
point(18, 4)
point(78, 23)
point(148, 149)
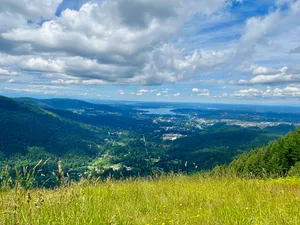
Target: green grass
point(168, 200)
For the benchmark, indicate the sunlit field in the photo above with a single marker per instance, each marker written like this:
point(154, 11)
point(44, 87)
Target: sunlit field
point(168, 200)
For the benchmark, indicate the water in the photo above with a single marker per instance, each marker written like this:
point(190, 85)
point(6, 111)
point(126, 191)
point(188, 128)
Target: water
point(159, 111)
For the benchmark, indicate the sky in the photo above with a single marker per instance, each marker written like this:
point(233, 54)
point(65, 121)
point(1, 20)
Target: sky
point(217, 51)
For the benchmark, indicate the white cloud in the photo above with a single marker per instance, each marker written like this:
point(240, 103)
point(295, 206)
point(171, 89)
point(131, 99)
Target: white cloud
point(255, 30)
point(5, 72)
point(151, 42)
point(30, 10)
point(33, 91)
point(177, 94)
point(261, 70)
point(282, 76)
point(11, 81)
point(147, 91)
point(16, 13)
point(201, 92)
point(289, 91)
point(166, 90)
point(168, 64)
point(93, 82)
point(26, 90)
point(121, 92)
point(251, 92)
point(7, 60)
point(117, 41)
point(42, 65)
point(61, 81)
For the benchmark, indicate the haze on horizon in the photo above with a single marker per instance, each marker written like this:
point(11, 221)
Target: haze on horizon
point(219, 51)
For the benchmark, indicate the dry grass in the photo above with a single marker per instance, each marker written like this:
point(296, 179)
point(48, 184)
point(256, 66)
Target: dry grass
point(168, 200)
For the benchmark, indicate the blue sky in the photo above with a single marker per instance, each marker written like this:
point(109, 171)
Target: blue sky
point(229, 51)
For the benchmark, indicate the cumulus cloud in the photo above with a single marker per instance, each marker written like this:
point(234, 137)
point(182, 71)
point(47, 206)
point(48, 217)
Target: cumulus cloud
point(93, 82)
point(11, 81)
point(177, 94)
point(41, 65)
point(281, 76)
point(61, 81)
point(275, 31)
point(255, 30)
point(26, 90)
point(150, 42)
point(201, 92)
point(116, 41)
point(30, 10)
point(146, 90)
point(17, 13)
point(251, 92)
point(6, 59)
point(168, 64)
point(121, 92)
point(289, 91)
point(5, 72)
point(261, 70)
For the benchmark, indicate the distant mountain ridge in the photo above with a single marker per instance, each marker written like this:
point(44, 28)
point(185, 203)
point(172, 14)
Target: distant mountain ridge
point(64, 104)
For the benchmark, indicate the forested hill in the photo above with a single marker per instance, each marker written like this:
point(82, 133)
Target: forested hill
point(66, 104)
point(24, 125)
point(279, 158)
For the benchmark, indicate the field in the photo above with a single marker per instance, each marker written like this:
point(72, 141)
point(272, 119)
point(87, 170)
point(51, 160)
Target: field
point(175, 199)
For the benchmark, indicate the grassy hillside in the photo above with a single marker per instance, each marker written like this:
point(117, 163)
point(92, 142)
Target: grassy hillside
point(174, 200)
point(279, 158)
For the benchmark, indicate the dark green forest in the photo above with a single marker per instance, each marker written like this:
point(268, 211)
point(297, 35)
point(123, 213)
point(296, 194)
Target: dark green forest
point(279, 158)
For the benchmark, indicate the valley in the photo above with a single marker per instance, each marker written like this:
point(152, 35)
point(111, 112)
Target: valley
point(122, 139)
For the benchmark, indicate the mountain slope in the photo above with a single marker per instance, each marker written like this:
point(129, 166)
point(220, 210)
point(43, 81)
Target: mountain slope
point(24, 125)
point(67, 104)
point(279, 158)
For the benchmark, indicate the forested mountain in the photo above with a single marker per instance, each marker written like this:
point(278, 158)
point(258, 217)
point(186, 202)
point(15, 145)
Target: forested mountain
point(279, 158)
point(24, 125)
point(67, 104)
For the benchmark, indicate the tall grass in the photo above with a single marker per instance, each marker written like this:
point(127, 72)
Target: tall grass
point(176, 199)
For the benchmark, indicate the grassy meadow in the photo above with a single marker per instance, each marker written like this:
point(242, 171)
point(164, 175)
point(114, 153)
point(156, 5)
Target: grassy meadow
point(175, 199)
